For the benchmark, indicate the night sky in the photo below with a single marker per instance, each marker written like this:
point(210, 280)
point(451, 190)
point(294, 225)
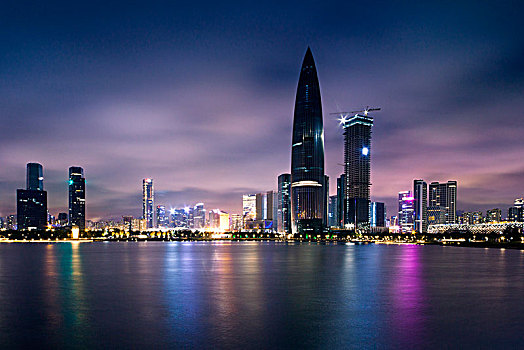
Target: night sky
point(199, 96)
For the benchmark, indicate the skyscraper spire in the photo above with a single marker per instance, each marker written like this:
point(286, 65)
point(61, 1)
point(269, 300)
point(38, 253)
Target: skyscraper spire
point(308, 196)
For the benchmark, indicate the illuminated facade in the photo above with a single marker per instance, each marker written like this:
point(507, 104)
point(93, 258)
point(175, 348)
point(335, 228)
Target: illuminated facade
point(218, 220)
point(516, 212)
point(333, 211)
point(444, 195)
point(148, 202)
point(249, 208)
point(341, 200)
point(377, 214)
point(77, 198)
point(406, 207)
point(308, 193)
point(420, 193)
point(284, 204)
point(161, 219)
point(31, 203)
point(494, 215)
point(199, 216)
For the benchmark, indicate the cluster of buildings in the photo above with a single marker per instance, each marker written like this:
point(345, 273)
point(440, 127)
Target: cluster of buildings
point(190, 217)
point(300, 206)
point(433, 207)
point(31, 203)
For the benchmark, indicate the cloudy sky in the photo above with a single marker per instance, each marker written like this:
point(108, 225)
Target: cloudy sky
point(199, 96)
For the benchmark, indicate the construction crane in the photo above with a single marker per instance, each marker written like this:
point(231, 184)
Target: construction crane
point(365, 111)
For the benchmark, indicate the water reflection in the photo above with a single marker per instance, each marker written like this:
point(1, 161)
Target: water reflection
point(408, 296)
point(263, 295)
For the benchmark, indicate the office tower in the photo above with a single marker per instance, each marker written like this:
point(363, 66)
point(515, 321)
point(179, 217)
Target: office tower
point(265, 210)
point(284, 204)
point(420, 193)
point(308, 195)
point(235, 222)
point(377, 214)
point(444, 195)
point(249, 208)
point(357, 160)
point(516, 212)
point(493, 215)
point(341, 200)
point(326, 199)
point(180, 217)
point(161, 220)
point(77, 198)
point(31, 203)
point(219, 220)
point(34, 177)
point(333, 211)
point(147, 202)
point(199, 216)
point(31, 209)
point(406, 208)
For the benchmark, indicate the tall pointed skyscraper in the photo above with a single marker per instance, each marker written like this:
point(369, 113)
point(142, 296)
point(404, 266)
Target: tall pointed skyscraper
point(308, 196)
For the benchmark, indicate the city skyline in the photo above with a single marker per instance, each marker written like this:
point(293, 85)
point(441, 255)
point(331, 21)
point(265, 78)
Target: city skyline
point(450, 88)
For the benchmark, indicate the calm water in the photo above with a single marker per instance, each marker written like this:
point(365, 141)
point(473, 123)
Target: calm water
point(259, 295)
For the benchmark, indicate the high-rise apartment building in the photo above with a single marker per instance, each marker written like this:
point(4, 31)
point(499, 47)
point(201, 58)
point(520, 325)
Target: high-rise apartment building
point(284, 204)
point(444, 195)
point(148, 202)
point(308, 192)
point(77, 198)
point(420, 193)
point(31, 203)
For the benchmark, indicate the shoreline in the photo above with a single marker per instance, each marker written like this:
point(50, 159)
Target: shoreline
point(504, 245)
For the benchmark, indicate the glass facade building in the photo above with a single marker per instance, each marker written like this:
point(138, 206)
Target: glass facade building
point(357, 164)
point(308, 193)
point(77, 198)
point(148, 202)
point(284, 204)
point(31, 203)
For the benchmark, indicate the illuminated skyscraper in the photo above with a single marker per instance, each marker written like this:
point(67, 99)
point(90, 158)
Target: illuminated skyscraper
point(308, 195)
point(444, 195)
point(147, 202)
point(199, 216)
point(249, 208)
point(284, 204)
point(341, 200)
point(420, 193)
point(406, 208)
point(77, 198)
point(31, 203)
point(161, 219)
point(357, 161)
